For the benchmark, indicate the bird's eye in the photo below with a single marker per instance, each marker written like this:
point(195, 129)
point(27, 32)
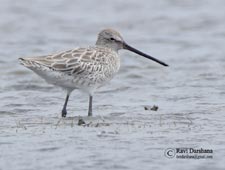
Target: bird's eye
point(112, 39)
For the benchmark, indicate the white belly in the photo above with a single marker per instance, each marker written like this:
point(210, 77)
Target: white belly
point(86, 83)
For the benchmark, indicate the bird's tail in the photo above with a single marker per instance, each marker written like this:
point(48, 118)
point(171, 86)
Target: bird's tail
point(27, 62)
point(23, 61)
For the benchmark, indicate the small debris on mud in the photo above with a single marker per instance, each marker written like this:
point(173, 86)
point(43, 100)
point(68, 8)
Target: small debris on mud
point(81, 122)
point(153, 108)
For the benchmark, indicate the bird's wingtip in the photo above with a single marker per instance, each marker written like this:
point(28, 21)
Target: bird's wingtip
point(21, 59)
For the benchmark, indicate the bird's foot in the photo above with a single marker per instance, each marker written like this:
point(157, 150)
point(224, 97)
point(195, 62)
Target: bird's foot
point(64, 112)
point(90, 114)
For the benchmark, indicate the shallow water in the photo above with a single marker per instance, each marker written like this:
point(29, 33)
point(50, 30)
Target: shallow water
point(188, 35)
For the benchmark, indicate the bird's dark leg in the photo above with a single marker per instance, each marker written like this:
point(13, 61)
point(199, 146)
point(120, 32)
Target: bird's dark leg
point(64, 112)
point(90, 106)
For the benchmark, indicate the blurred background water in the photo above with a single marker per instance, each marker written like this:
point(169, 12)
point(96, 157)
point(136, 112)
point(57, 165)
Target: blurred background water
point(187, 34)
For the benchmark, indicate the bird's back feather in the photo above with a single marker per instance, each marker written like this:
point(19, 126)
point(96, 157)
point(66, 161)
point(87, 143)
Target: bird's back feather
point(88, 66)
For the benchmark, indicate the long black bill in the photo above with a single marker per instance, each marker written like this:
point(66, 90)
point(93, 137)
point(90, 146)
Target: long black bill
point(126, 46)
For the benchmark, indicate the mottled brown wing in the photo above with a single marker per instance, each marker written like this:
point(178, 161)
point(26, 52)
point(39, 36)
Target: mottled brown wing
point(90, 61)
point(73, 62)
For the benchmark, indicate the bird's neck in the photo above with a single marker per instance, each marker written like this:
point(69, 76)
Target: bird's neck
point(105, 45)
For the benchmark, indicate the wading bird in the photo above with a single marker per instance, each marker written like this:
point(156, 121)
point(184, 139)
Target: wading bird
point(86, 69)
